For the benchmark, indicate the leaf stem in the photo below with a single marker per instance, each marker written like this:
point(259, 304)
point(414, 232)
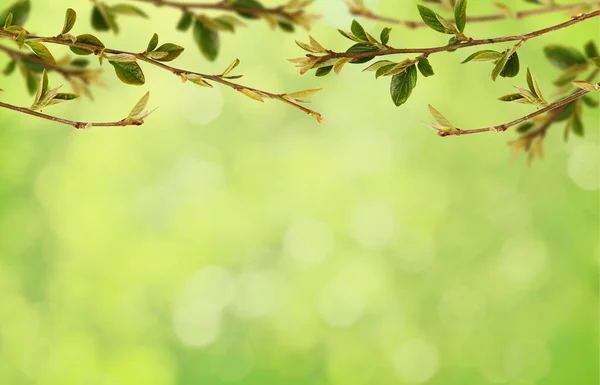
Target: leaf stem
point(76, 124)
point(411, 24)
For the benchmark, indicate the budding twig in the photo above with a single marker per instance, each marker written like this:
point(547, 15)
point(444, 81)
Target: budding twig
point(76, 124)
point(413, 24)
point(386, 51)
point(176, 71)
point(67, 73)
point(556, 107)
point(223, 6)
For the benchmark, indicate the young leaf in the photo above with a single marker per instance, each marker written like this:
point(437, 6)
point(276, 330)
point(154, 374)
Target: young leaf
point(172, 50)
point(207, 40)
point(361, 48)
point(441, 119)
point(153, 43)
point(89, 40)
point(431, 19)
point(19, 10)
point(252, 95)
point(248, 4)
point(70, 18)
point(585, 85)
point(323, 71)
point(139, 107)
point(460, 14)
point(534, 87)
point(564, 57)
point(231, 67)
point(41, 51)
point(187, 18)
point(358, 30)
point(482, 56)
point(385, 35)
point(129, 72)
point(403, 84)
point(512, 67)
point(591, 50)
point(425, 67)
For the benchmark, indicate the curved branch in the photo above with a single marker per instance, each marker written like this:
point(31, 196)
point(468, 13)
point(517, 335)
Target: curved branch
point(72, 123)
point(411, 24)
point(470, 43)
point(176, 71)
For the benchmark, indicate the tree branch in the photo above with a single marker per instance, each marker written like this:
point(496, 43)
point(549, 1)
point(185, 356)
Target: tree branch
point(67, 73)
point(76, 124)
point(176, 71)
point(503, 127)
point(470, 43)
point(223, 6)
point(411, 24)
point(556, 107)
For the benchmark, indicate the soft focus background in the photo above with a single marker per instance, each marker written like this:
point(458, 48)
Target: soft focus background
point(227, 241)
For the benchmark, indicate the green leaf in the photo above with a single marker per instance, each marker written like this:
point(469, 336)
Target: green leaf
point(128, 9)
point(70, 18)
point(482, 56)
point(187, 18)
point(138, 109)
point(564, 57)
point(425, 67)
point(42, 87)
point(358, 30)
point(595, 61)
point(248, 4)
point(8, 21)
point(512, 67)
point(460, 14)
point(32, 82)
point(129, 72)
point(430, 18)
point(534, 87)
point(20, 11)
point(576, 125)
point(153, 43)
point(385, 35)
point(591, 50)
point(524, 127)
point(89, 40)
point(403, 84)
point(100, 20)
point(361, 48)
point(590, 101)
point(173, 51)
point(41, 51)
point(511, 98)
point(207, 40)
point(323, 71)
point(287, 27)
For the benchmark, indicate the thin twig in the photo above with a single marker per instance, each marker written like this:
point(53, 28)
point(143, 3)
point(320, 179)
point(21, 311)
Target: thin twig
point(67, 73)
point(470, 43)
point(76, 124)
point(222, 6)
point(176, 71)
point(503, 127)
point(411, 24)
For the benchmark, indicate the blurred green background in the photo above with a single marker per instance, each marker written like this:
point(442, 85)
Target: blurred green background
point(227, 241)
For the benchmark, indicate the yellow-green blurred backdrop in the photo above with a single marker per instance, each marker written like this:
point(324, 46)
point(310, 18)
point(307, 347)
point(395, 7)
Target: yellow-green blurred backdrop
point(227, 241)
